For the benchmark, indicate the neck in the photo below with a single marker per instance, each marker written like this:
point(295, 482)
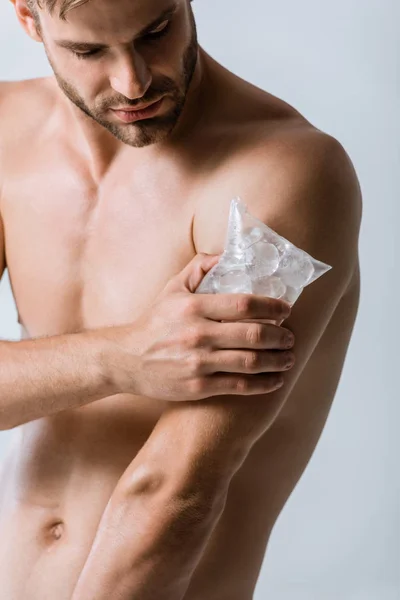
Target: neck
point(100, 148)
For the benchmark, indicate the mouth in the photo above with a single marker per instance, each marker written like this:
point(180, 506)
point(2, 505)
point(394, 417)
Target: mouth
point(130, 114)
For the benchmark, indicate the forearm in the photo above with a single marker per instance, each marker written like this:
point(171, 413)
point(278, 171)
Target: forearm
point(147, 546)
point(43, 376)
point(161, 516)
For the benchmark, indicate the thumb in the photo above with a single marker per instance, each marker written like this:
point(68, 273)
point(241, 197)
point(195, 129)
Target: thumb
point(192, 275)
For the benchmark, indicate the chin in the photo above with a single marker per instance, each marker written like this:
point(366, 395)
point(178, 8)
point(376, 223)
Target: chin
point(139, 138)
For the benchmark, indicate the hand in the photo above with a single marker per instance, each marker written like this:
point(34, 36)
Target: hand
point(180, 350)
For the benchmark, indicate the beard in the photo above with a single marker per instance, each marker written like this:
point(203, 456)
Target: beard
point(146, 131)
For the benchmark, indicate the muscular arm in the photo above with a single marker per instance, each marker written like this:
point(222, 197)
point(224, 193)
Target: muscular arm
point(43, 376)
point(170, 498)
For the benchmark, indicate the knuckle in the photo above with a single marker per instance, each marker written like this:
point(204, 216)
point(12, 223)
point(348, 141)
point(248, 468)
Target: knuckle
point(196, 386)
point(243, 305)
point(242, 385)
point(275, 307)
point(189, 306)
point(250, 361)
point(254, 334)
point(195, 363)
point(195, 337)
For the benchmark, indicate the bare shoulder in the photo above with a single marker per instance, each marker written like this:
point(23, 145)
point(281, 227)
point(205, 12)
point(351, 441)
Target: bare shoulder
point(300, 181)
point(24, 107)
point(25, 90)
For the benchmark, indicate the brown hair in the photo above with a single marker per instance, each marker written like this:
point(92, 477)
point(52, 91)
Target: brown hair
point(65, 5)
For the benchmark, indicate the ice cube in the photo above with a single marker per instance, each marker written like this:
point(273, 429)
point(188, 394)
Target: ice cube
point(234, 282)
point(248, 258)
point(250, 237)
point(295, 269)
point(269, 286)
point(265, 260)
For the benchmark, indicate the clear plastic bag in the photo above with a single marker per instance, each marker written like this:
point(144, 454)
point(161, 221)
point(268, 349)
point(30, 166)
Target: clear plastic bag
point(256, 260)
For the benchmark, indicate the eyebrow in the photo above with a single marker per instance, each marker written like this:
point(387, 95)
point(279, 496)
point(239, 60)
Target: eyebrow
point(82, 46)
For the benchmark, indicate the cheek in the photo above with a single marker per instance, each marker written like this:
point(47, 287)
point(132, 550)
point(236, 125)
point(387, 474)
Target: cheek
point(90, 79)
point(167, 60)
point(160, 58)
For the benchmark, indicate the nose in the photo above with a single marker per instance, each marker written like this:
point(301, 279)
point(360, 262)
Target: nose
point(131, 76)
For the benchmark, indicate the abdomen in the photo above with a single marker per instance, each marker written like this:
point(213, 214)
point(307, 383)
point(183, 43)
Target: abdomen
point(55, 485)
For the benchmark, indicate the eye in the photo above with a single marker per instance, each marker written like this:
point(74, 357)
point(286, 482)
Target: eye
point(158, 33)
point(88, 54)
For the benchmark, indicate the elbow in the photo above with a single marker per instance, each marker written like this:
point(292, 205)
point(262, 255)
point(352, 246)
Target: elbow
point(197, 498)
point(141, 480)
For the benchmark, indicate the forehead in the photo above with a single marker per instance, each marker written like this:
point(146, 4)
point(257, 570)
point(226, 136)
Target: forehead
point(106, 18)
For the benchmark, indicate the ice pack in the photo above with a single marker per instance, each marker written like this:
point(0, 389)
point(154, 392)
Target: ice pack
point(256, 260)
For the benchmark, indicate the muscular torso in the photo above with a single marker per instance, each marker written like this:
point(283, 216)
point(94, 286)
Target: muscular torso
point(84, 254)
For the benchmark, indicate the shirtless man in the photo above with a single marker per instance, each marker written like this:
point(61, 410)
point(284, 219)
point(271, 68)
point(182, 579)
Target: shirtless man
point(154, 450)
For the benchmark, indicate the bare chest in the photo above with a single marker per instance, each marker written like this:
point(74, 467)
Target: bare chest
point(83, 257)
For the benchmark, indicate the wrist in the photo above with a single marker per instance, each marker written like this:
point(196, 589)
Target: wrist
point(107, 358)
point(118, 359)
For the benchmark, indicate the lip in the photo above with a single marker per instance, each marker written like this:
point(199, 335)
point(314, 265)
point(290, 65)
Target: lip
point(130, 115)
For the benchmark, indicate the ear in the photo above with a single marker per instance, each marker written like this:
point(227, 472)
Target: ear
point(26, 18)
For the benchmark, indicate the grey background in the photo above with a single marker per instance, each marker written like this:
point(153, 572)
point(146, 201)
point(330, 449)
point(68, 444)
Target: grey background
point(338, 63)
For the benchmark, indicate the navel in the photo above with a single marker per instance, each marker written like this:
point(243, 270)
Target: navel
point(55, 530)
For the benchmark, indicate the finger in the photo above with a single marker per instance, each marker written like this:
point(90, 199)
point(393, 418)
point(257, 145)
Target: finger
point(236, 361)
point(255, 336)
point(243, 385)
point(192, 275)
point(233, 307)
point(266, 321)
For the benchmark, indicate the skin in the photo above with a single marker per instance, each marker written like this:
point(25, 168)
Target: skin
point(82, 195)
